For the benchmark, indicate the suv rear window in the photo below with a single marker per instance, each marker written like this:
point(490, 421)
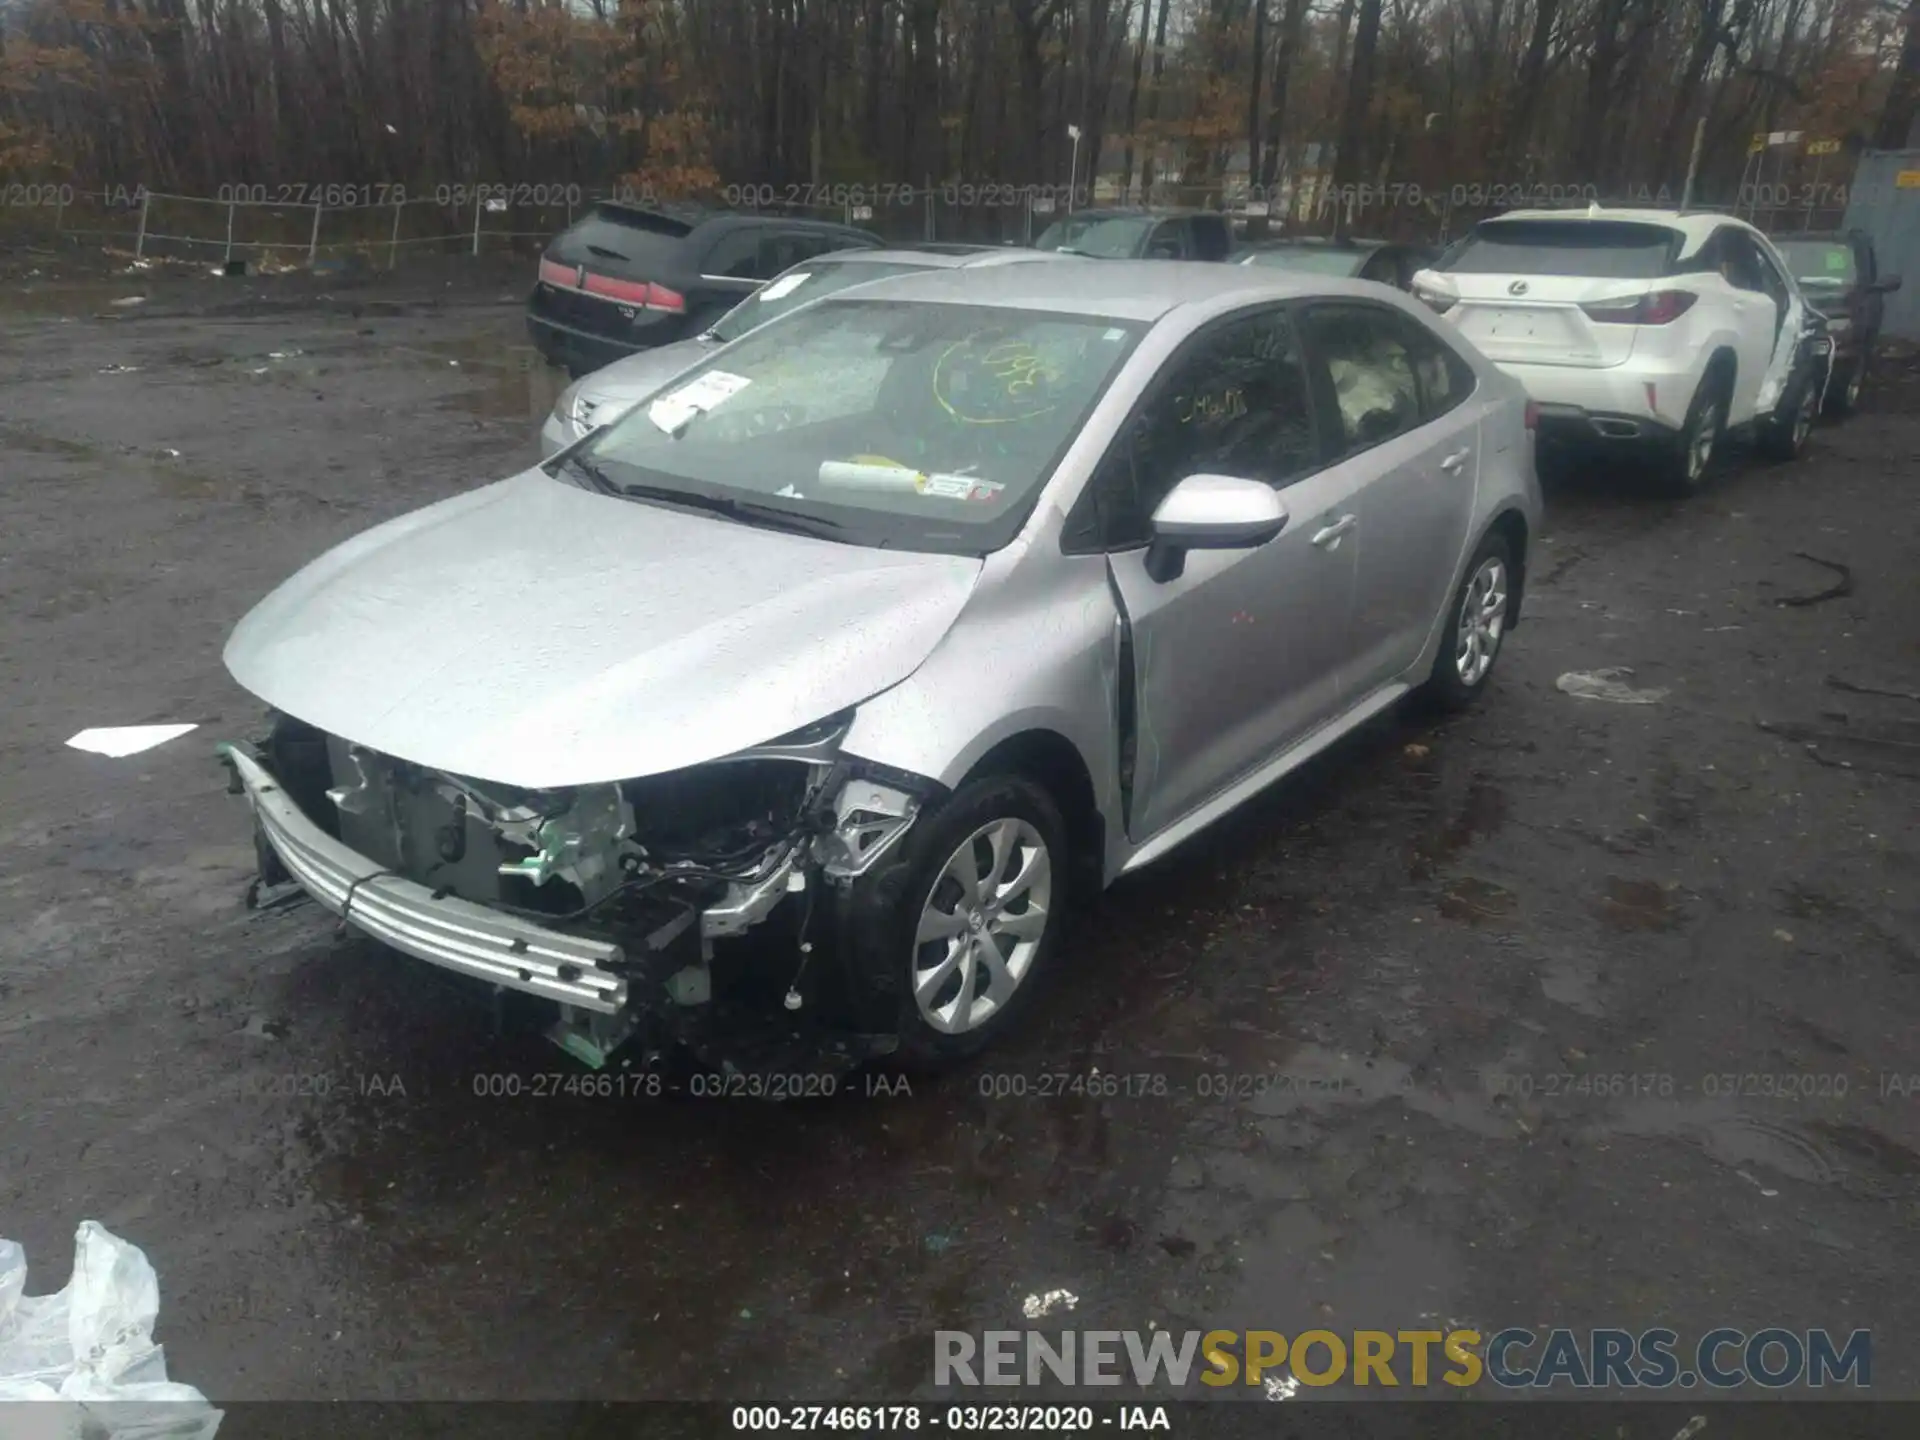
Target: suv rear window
point(1603, 249)
point(619, 241)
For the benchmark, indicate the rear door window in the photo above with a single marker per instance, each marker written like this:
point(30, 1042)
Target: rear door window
point(1369, 357)
point(1601, 249)
point(1169, 241)
point(621, 242)
point(736, 256)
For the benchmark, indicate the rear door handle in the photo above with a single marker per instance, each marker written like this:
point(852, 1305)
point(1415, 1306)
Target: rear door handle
point(1454, 461)
point(1329, 536)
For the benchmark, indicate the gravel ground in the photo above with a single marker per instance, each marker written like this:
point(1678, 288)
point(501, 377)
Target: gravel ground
point(1561, 1013)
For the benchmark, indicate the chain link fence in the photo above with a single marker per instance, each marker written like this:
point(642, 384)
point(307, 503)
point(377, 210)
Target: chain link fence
point(269, 227)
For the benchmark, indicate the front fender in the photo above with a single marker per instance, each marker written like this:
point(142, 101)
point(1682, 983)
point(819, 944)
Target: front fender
point(1034, 651)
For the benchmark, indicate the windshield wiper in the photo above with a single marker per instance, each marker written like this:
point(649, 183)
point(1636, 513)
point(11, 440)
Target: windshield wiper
point(747, 512)
point(571, 455)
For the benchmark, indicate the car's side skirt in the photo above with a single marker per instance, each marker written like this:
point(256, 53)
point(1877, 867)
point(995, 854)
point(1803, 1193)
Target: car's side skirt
point(1254, 781)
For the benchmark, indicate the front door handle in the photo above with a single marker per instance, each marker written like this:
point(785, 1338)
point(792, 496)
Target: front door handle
point(1454, 461)
point(1329, 536)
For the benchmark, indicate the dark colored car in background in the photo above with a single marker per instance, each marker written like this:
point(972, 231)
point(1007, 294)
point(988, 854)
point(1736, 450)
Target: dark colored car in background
point(626, 278)
point(1140, 235)
point(1384, 261)
point(1839, 274)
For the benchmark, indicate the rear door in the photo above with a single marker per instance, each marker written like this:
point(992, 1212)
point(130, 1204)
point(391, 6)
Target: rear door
point(1758, 318)
point(1520, 285)
point(1399, 404)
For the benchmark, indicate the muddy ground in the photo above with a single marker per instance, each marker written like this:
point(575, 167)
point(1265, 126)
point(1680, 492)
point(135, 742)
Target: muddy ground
point(1483, 996)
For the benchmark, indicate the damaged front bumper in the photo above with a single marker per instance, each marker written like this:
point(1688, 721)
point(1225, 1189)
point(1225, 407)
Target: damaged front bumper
point(429, 924)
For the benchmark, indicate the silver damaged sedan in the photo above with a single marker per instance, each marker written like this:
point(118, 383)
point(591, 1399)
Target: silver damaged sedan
point(818, 688)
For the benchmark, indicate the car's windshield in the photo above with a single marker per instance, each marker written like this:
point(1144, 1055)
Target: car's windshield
point(1112, 236)
point(1827, 263)
point(797, 287)
point(1601, 249)
point(1307, 257)
point(905, 424)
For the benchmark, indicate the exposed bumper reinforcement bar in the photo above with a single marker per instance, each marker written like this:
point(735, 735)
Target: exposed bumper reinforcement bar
point(472, 939)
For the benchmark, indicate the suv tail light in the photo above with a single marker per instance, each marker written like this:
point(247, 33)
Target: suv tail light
point(659, 297)
point(1532, 420)
point(1656, 307)
point(1435, 301)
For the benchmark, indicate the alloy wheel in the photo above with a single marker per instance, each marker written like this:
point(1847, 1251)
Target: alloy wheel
point(1700, 441)
point(1483, 620)
point(1803, 419)
point(981, 925)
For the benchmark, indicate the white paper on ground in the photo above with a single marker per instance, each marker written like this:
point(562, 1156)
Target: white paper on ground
point(91, 1346)
point(123, 740)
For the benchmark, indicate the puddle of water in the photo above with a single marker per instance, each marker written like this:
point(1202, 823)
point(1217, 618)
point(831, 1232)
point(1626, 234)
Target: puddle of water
point(1476, 901)
point(1638, 905)
point(505, 382)
point(1736, 1140)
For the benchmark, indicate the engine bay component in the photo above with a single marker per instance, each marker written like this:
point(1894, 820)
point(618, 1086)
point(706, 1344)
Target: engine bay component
point(581, 845)
point(869, 820)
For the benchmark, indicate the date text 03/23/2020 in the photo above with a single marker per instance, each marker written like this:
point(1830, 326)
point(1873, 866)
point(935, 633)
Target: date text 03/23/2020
point(957, 1419)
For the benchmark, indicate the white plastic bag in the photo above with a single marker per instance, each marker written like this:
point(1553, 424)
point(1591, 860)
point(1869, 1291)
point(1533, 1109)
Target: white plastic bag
point(91, 1347)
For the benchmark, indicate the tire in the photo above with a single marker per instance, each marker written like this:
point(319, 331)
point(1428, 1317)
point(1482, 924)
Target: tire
point(1687, 459)
point(1786, 432)
point(1458, 677)
point(938, 994)
point(1843, 396)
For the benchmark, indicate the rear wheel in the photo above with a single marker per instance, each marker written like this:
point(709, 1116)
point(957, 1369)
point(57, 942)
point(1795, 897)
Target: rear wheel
point(1476, 626)
point(1689, 456)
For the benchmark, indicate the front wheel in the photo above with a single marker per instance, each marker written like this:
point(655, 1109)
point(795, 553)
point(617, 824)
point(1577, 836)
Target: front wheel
point(1843, 398)
point(1785, 435)
point(967, 922)
point(1478, 621)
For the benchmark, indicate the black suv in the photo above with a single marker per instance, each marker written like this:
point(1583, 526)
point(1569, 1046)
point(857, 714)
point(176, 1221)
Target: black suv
point(627, 277)
point(1140, 235)
point(1839, 274)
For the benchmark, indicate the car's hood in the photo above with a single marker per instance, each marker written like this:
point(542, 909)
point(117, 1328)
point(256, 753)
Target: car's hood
point(640, 374)
point(540, 635)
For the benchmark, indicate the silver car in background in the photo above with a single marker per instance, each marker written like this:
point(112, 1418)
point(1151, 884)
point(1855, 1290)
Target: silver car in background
point(605, 394)
point(887, 634)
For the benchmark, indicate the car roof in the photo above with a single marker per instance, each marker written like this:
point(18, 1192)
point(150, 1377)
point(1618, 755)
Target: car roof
point(1145, 290)
point(1322, 242)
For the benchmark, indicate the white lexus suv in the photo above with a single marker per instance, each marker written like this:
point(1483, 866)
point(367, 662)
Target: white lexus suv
point(1655, 331)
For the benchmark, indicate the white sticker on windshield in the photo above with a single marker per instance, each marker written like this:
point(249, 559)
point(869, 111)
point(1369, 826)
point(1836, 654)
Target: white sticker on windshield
point(785, 285)
point(1115, 334)
point(672, 411)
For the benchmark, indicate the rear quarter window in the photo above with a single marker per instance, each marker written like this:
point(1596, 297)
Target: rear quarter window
point(1603, 249)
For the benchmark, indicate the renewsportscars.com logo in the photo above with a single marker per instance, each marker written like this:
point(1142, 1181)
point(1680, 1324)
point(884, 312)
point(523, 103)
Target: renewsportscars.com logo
point(1513, 1359)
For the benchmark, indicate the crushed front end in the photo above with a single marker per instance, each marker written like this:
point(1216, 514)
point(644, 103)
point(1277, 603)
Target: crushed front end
point(605, 899)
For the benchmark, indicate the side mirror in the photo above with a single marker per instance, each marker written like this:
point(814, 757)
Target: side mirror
point(1886, 284)
point(1211, 512)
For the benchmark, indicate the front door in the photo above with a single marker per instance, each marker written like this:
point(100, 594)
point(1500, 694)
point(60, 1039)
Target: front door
point(1240, 654)
point(1400, 424)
